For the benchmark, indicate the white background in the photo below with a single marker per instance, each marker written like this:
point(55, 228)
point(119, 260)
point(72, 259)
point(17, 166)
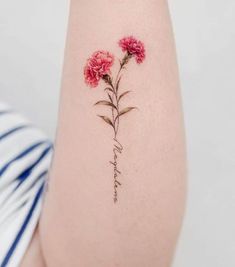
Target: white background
point(32, 38)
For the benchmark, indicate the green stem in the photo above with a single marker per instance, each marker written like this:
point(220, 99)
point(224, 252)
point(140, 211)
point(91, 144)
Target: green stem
point(113, 116)
point(115, 93)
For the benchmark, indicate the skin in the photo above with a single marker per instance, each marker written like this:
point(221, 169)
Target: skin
point(33, 256)
point(80, 224)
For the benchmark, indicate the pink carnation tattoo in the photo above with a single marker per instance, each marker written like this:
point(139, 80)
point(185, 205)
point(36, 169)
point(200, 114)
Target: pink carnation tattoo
point(97, 68)
point(133, 47)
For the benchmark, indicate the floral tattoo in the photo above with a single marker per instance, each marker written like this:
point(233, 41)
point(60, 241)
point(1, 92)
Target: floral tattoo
point(98, 67)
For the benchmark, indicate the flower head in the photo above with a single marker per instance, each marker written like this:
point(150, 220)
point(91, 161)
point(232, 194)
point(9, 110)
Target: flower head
point(97, 66)
point(133, 47)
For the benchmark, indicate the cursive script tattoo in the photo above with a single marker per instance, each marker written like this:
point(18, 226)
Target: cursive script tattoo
point(117, 149)
point(98, 67)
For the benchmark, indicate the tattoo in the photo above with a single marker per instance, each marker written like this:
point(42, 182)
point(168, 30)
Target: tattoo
point(98, 67)
point(117, 149)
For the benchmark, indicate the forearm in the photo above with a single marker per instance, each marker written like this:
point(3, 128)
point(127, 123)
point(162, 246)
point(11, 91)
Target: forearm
point(122, 207)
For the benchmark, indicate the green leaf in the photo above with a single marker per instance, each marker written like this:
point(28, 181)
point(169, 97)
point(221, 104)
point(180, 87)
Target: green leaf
point(106, 103)
point(126, 110)
point(110, 98)
point(123, 94)
point(108, 89)
point(106, 119)
point(118, 82)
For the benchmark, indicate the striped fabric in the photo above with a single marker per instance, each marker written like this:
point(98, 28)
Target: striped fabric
point(25, 155)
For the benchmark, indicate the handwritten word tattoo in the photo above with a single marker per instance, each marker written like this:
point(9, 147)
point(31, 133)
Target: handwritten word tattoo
point(98, 67)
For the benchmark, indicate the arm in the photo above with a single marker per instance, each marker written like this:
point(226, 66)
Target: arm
point(117, 185)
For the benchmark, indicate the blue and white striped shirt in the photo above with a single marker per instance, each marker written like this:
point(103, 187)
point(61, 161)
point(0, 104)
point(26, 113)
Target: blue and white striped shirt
point(25, 156)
